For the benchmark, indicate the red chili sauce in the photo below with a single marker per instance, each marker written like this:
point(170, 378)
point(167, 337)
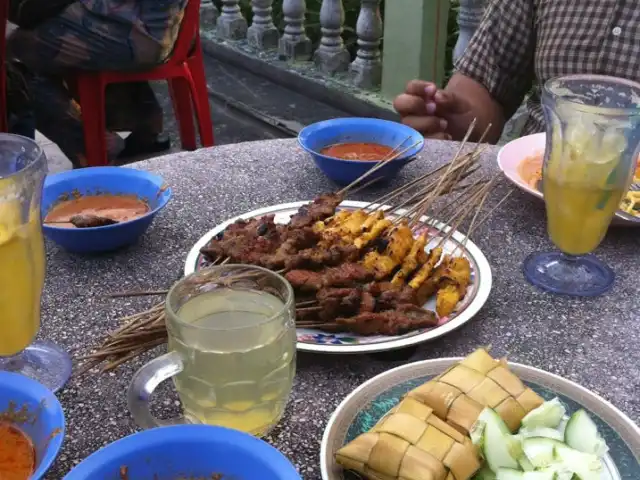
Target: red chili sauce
point(365, 152)
point(17, 455)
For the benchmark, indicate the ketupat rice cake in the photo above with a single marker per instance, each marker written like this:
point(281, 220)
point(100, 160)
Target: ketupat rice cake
point(411, 443)
point(425, 436)
point(478, 381)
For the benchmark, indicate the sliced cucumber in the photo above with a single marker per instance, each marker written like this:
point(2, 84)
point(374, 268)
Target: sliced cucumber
point(497, 442)
point(585, 466)
point(549, 414)
point(525, 464)
point(540, 451)
point(541, 432)
point(508, 474)
point(582, 434)
point(477, 432)
point(485, 473)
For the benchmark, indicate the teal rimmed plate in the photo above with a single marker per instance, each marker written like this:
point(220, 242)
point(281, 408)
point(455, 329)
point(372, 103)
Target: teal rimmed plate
point(366, 404)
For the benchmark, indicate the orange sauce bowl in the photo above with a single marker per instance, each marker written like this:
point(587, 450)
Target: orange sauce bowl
point(346, 148)
point(31, 427)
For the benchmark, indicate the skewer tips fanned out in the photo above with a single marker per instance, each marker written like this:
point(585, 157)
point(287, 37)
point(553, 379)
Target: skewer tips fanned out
point(425, 437)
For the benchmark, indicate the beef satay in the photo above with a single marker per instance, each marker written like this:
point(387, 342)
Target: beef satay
point(321, 208)
point(392, 322)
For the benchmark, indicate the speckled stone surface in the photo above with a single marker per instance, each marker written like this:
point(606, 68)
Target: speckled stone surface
point(594, 342)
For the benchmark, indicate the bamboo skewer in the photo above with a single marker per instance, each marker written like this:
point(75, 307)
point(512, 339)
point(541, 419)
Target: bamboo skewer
point(145, 330)
point(376, 168)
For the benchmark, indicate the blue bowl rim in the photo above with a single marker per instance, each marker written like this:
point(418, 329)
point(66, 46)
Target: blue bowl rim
point(37, 390)
point(303, 135)
point(112, 452)
point(127, 171)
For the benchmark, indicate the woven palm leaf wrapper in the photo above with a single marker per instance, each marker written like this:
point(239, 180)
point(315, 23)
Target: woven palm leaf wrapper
point(478, 381)
point(425, 437)
point(411, 443)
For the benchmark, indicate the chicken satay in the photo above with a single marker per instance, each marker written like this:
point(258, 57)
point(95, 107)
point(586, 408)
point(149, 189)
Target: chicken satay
point(372, 219)
point(453, 285)
point(447, 297)
point(376, 230)
point(351, 226)
point(410, 262)
point(424, 272)
point(430, 286)
point(399, 245)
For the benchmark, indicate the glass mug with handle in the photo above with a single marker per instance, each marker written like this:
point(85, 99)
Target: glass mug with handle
point(232, 350)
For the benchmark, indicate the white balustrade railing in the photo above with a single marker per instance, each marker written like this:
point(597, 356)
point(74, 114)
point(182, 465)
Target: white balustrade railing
point(331, 54)
point(262, 33)
point(231, 24)
point(366, 69)
point(294, 43)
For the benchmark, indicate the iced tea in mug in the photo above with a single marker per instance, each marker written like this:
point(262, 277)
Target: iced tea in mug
point(232, 349)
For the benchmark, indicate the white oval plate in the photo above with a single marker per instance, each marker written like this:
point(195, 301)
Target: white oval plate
point(513, 153)
point(363, 407)
point(312, 340)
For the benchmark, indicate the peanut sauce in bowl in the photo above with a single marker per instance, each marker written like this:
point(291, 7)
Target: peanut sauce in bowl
point(120, 208)
point(364, 152)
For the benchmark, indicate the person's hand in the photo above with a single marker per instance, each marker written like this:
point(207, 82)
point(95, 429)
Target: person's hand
point(434, 113)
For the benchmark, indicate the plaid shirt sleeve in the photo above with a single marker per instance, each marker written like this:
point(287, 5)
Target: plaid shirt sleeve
point(500, 54)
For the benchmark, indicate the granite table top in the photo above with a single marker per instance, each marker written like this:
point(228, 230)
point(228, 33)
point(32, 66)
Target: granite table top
point(593, 342)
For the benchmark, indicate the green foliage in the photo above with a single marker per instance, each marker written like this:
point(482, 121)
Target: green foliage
point(351, 9)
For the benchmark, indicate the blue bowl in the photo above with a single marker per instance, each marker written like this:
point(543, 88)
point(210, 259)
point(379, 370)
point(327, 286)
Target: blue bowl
point(317, 136)
point(39, 415)
point(97, 180)
point(187, 451)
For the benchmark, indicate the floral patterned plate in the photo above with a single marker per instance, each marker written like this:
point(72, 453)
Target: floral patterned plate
point(312, 340)
point(360, 411)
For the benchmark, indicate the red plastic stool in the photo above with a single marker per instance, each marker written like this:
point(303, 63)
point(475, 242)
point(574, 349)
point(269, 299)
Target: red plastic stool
point(184, 70)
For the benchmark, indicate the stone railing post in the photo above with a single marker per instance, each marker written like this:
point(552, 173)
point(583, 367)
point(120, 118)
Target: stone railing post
point(366, 69)
point(208, 15)
point(415, 40)
point(331, 55)
point(262, 33)
point(469, 16)
point(231, 24)
point(294, 43)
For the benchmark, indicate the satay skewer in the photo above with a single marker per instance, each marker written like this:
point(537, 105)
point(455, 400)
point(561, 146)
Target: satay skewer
point(346, 189)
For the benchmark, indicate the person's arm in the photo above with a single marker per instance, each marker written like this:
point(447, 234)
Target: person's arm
point(496, 70)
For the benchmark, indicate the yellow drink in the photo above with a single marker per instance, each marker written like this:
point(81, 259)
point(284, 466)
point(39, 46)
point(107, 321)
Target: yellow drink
point(22, 268)
point(238, 364)
point(583, 188)
point(577, 216)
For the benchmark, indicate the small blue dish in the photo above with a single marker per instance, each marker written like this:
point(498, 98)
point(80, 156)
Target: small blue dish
point(187, 451)
point(103, 180)
point(317, 136)
point(37, 412)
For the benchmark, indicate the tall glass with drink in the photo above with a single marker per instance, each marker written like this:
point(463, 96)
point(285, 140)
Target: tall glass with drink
point(593, 138)
point(23, 167)
point(232, 350)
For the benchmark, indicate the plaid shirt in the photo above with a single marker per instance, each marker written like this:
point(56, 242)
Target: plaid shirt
point(523, 43)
